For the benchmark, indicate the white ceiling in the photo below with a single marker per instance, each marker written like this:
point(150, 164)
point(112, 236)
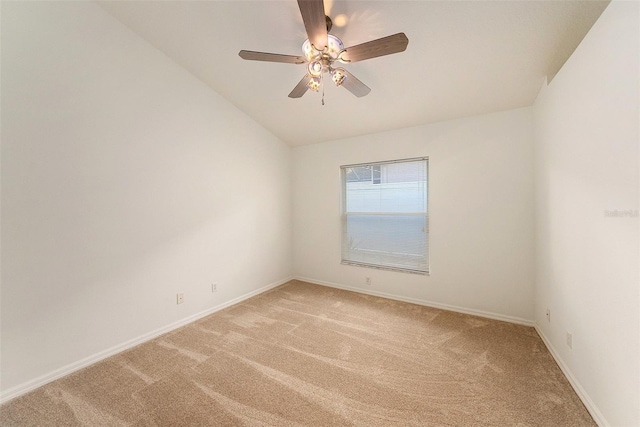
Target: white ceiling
point(464, 57)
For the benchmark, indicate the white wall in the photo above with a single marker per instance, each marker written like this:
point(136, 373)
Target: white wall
point(124, 181)
point(480, 204)
point(587, 263)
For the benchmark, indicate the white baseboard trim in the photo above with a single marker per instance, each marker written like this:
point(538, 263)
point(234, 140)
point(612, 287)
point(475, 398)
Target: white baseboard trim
point(582, 394)
point(479, 313)
point(28, 386)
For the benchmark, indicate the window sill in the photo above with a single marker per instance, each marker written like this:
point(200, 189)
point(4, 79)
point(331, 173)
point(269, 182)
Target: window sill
point(384, 267)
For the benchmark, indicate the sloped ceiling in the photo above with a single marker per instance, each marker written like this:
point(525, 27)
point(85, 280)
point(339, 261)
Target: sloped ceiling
point(464, 57)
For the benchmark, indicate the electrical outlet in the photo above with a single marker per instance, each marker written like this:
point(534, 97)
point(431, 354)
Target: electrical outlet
point(179, 298)
point(214, 287)
point(548, 315)
point(569, 340)
point(367, 280)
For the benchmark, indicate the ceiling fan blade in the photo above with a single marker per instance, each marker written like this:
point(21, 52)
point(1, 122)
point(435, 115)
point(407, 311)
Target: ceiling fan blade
point(355, 86)
point(315, 23)
point(271, 57)
point(301, 87)
point(384, 46)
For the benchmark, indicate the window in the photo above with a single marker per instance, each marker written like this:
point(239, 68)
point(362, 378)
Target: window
point(385, 221)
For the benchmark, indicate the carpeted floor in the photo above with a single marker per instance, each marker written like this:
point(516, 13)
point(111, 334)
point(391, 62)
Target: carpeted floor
point(307, 355)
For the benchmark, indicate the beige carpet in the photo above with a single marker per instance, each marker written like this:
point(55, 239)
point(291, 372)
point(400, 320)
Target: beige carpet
point(307, 355)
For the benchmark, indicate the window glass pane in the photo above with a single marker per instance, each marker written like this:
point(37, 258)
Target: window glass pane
point(401, 187)
point(359, 174)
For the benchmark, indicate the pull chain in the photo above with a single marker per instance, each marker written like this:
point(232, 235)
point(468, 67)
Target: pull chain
point(322, 84)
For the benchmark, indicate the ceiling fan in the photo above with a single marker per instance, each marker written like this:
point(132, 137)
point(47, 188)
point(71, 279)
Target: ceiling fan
point(321, 51)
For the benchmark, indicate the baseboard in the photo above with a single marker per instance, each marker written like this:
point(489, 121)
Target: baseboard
point(479, 313)
point(28, 386)
point(582, 394)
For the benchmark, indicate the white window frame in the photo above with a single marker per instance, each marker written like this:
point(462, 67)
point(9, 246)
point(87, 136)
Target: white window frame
point(345, 214)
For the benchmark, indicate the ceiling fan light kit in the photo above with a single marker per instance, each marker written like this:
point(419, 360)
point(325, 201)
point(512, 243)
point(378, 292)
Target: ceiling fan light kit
point(320, 62)
point(321, 50)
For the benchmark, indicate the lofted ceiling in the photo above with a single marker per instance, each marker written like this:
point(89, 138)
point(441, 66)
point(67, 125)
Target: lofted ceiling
point(464, 57)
